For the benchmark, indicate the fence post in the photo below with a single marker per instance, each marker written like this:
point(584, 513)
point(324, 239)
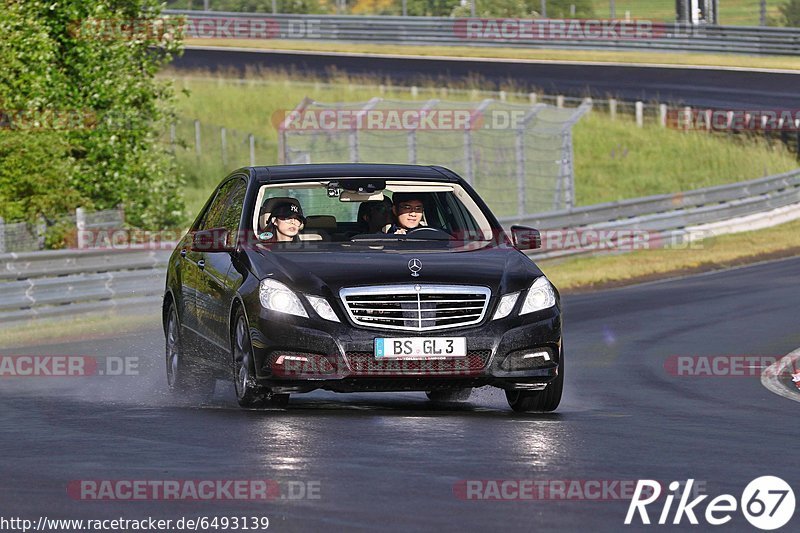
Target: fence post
point(662, 115)
point(2, 236)
point(80, 222)
point(223, 138)
point(612, 108)
point(639, 114)
point(560, 100)
point(252, 142)
point(502, 95)
point(533, 97)
point(197, 148)
point(41, 231)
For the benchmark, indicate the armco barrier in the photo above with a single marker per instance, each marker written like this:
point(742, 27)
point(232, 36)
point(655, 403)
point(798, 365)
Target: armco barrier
point(446, 31)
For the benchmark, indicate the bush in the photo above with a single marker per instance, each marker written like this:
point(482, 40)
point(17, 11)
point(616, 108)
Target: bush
point(83, 111)
point(790, 13)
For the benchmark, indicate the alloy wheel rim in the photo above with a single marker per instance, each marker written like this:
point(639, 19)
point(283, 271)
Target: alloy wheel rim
point(242, 359)
point(173, 353)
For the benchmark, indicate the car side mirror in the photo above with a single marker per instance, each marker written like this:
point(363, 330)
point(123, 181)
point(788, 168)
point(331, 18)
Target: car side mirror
point(525, 238)
point(211, 240)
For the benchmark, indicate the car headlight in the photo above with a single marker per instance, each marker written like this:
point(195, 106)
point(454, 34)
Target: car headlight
point(540, 296)
point(276, 296)
point(322, 307)
point(506, 305)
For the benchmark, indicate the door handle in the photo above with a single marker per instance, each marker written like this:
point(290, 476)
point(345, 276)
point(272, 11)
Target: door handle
point(201, 264)
point(183, 252)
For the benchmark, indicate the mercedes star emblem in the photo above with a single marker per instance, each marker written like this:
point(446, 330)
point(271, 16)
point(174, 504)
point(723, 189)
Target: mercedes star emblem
point(415, 265)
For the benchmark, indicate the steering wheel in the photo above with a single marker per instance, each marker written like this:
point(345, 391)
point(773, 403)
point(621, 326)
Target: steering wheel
point(428, 232)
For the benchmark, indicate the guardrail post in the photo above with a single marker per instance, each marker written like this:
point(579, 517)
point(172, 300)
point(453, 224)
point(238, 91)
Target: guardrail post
point(80, 223)
point(533, 97)
point(2, 236)
point(41, 231)
point(502, 95)
point(414, 91)
point(612, 108)
point(639, 114)
point(251, 140)
point(560, 100)
point(662, 115)
point(197, 148)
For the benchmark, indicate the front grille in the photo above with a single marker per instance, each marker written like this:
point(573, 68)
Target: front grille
point(416, 307)
point(366, 364)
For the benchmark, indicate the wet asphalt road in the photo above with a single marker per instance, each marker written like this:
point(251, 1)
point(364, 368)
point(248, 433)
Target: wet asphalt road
point(391, 461)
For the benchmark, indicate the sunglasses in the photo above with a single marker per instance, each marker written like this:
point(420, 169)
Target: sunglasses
point(292, 218)
point(408, 208)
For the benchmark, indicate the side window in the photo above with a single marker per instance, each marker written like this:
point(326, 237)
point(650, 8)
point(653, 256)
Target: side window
point(226, 209)
point(213, 216)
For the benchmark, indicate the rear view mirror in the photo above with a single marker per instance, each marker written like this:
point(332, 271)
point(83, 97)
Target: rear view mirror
point(525, 238)
point(211, 240)
point(349, 196)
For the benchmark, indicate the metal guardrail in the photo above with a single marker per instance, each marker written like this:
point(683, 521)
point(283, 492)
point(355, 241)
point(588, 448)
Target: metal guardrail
point(454, 31)
point(669, 218)
point(67, 282)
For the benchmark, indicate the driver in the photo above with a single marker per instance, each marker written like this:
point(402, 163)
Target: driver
point(408, 210)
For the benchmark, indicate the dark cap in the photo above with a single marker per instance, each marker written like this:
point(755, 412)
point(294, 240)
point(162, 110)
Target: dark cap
point(400, 197)
point(288, 210)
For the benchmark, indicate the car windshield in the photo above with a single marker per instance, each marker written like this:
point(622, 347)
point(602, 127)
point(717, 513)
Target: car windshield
point(380, 210)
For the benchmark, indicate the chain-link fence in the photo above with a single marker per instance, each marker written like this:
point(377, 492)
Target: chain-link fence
point(519, 157)
point(30, 237)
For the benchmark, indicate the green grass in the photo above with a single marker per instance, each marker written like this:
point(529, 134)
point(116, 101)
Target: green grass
point(731, 12)
point(613, 159)
point(724, 251)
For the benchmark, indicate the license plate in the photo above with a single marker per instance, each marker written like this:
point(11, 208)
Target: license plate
point(421, 347)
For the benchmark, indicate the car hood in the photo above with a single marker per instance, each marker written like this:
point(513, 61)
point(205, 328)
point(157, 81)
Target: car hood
point(501, 268)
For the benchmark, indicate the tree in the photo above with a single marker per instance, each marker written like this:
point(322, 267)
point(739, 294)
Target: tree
point(82, 104)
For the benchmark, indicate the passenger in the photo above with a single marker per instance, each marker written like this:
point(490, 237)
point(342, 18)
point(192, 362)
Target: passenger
point(408, 211)
point(285, 223)
point(374, 215)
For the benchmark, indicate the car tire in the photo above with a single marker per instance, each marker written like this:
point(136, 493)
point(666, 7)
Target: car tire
point(182, 376)
point(544, 400)
point(248, 392)
point(450, 396)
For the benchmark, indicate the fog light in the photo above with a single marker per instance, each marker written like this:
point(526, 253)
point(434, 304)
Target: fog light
point(543, 355)
point(527, 360)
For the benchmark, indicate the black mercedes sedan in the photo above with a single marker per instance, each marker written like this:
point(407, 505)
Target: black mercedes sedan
point(359, 277)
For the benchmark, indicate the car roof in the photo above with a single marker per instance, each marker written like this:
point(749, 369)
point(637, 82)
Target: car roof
point(278, 173)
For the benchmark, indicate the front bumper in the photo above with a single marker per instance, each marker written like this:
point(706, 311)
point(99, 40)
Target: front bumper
point(295, 354)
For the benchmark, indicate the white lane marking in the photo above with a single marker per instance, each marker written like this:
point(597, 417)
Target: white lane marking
point(770, 378)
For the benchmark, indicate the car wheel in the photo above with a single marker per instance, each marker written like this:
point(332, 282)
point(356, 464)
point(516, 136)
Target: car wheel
point(447, 396)
point(543, 400)
point(182, 376)
point(248, 392)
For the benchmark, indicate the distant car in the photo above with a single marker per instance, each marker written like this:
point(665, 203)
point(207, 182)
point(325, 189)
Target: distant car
point(451, 305)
